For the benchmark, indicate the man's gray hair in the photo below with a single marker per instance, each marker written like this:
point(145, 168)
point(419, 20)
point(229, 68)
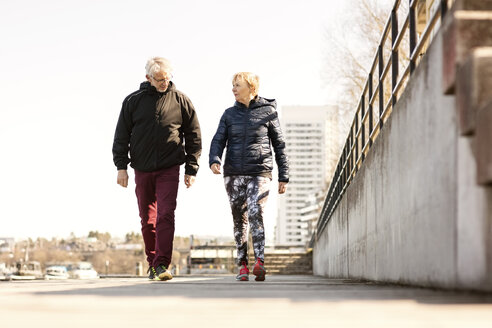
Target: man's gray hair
point(157, 64)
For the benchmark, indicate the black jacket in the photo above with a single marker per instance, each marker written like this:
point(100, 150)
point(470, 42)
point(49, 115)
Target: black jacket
point(160, 129)
point(248, 133)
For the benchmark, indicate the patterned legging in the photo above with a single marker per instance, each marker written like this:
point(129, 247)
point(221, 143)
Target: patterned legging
point(248, 196)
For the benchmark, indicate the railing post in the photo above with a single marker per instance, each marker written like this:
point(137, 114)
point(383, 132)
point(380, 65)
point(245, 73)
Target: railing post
point(444, 8)
point(344, 163)
point(361, 127)
point(412, 32)
point(338, 175)
point(370, 111)
point(351, 155)
point(381, 85)
point(394, 55)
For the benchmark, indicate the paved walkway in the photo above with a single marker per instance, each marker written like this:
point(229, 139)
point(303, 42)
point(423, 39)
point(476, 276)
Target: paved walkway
point(220, 301)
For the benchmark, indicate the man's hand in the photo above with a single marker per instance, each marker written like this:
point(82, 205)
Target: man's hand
point(215, 168)
point(282, 186)
point(122, 178)
point(189, 180)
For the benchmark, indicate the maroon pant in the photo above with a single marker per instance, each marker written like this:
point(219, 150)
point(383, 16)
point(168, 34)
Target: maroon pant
point(156, 195)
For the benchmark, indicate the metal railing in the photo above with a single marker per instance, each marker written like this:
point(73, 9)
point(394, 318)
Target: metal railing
point(382, 90)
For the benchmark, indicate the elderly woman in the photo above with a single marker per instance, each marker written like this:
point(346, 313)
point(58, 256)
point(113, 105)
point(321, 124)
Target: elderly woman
point(248, 129)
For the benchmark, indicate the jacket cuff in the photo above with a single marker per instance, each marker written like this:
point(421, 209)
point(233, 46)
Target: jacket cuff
point(190, 171)
point(214, 162)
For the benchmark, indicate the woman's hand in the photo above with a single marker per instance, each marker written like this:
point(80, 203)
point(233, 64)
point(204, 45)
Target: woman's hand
point(282, 186)
point(215, 168)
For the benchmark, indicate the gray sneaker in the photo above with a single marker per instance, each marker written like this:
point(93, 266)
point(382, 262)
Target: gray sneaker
point(162, 273)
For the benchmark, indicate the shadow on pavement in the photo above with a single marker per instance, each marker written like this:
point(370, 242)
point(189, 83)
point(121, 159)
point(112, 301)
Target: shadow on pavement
point(294, 288)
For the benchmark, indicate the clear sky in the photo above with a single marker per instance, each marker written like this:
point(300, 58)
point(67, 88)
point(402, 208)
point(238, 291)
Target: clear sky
point(66, 66)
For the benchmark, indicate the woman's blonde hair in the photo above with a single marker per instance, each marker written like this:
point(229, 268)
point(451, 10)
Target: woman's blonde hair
point(157, 64)
point(252, 79)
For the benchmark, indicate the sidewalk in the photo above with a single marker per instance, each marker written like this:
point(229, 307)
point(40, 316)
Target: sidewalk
point(220, 301)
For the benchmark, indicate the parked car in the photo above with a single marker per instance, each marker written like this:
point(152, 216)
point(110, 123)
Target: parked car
point(82, 270)
point(57, 272)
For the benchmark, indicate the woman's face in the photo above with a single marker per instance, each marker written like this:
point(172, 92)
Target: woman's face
point(241, 91)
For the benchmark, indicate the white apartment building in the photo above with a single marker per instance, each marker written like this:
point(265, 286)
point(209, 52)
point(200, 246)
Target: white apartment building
point(312, 143)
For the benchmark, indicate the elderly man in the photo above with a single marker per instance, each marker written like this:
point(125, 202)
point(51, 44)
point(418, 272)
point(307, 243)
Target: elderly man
point(158, 126)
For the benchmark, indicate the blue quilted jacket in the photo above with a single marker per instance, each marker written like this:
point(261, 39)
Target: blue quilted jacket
point(249, 135)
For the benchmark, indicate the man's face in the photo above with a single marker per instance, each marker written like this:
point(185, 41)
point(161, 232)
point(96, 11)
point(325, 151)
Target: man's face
point(160, 80)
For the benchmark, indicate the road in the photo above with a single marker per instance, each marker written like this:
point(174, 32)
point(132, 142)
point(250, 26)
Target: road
point(220, 301)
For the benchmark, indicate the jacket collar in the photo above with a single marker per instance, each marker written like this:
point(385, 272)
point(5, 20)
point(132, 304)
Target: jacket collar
point(152, 90)
point(251, 103)
point(257, 102)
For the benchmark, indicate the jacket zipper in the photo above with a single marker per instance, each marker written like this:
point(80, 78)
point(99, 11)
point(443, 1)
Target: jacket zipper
point(246, 119)
point(156, 129)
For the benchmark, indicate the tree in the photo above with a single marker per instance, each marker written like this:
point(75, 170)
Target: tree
point(133, 238)
point(103, 237)
point(351, 44)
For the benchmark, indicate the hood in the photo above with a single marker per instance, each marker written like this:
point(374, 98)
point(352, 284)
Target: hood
point(258, 102)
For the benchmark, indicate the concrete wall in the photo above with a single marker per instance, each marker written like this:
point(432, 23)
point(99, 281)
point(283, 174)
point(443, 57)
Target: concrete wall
point(414, 213)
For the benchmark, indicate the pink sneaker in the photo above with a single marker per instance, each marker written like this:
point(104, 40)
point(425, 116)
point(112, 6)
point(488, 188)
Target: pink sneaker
point(243, 272)
point(259, 270)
